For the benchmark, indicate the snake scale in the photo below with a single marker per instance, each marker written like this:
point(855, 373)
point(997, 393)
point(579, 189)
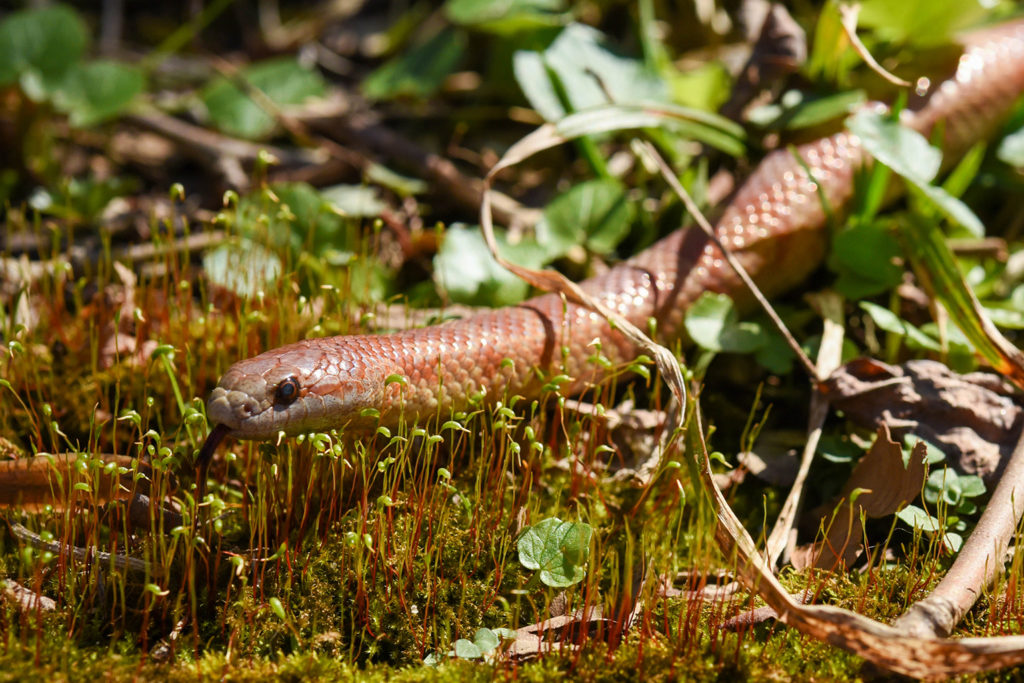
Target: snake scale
point(775, 224)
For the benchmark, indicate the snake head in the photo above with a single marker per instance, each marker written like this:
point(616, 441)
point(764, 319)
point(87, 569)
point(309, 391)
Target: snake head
point(313, 385)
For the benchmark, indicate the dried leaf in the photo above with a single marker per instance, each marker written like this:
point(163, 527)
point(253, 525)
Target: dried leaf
point(972, 418)
point(775, 458)
point(878, 486)
point(759, 615)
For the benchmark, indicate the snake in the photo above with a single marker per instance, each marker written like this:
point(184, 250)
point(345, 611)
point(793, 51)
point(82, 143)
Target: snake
point(775, 225)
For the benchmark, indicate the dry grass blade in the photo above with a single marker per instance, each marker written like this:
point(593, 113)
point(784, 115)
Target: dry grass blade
point(782, 539)
point(545, 137)
point(705, 226)
point(850, 13)
point(936, 266)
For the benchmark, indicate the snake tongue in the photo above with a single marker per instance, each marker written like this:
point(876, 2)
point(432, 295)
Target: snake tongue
point(213, 440)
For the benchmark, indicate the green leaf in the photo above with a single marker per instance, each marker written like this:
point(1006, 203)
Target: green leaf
point(917, 518)
point(705, 87)
point(533, 78)
point(890, 322)
point(1006, 316)
point(40, 46)
point(908, 153)
point(972, 486)
point(1011, 149)
point(813, 111)
point(403, 186)
point(465, 269)
point(932, 256)
point(713, 324)
point(557, 549)
point(420, 71)
point(702, 126)
point(283, 81)
point(245, 268)
point(921, 22)
point(796, 110)
point(594, 213)
point(865, 257)
point(486, 640)
point(505, 633)
point(297, 216)
point(99, 90)
point(964, 173)
point(81, 198)
point(354, 200)
point(466, 649)
point(506, 17)
point(903, 150)
point(831, 58)
point(932, 453)
point(579, 65)
point(774, 354)
point(839, 449)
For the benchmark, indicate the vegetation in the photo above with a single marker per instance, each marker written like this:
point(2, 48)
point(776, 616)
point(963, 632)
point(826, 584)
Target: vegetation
point(191, 190)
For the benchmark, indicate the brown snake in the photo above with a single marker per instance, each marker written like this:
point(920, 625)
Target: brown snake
point(775, 224)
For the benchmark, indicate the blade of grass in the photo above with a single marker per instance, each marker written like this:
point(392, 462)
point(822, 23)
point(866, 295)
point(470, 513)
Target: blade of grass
point(936, 266)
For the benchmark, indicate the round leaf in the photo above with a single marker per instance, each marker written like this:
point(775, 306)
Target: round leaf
point(465, 269)
point(713, 324)
point(283, 81)
point(465, 649)
point(595, 213)
point(558, 549)
point(98, 91)
point(41, 43)
point(244, 268)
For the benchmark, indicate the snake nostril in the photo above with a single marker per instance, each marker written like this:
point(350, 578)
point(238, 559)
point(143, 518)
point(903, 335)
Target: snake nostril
point(248, 408)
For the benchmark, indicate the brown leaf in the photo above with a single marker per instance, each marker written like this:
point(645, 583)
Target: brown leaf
point(972, 418)
point(882, 485)
point(759, 615)
point(570, 630)
point(776, 458)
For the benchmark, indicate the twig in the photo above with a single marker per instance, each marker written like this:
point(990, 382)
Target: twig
point(26, 600)
point(980, 560)
point(212, 148)
point(121, 562)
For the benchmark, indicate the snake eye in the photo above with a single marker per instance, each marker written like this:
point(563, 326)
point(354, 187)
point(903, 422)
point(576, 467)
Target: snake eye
point(286, 392)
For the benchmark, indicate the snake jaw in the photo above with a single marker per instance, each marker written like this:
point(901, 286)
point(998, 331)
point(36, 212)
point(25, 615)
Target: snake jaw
point(232, 408)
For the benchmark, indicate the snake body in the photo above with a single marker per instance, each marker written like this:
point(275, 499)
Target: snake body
point(775, 224)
